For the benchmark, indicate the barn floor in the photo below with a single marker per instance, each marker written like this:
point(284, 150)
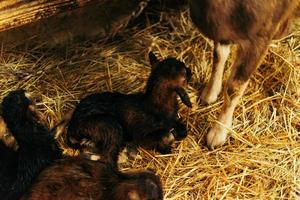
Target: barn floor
point(261, 159)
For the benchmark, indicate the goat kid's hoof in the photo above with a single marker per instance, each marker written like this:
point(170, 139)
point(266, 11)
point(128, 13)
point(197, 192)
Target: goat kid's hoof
point(180, 134)
point(208, 96)
point(166, 150)
point(129, 153)
point(165, 145)
point(216, 136)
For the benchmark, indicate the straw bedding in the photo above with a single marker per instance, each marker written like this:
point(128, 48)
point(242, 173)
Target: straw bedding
point(261, 159)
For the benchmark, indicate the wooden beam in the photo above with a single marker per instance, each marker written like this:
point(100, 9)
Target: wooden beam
point(56, 22)
point(14, 13)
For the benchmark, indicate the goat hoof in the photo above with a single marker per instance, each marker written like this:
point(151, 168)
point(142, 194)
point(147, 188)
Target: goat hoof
point(129, 153)
point(166, 150)
point(180, 134)
point(165, 145)
point(216, 136)
point(209, 96)
point(180, 137)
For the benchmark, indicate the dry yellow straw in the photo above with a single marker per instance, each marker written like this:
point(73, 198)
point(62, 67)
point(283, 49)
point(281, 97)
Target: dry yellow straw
point(261, 159)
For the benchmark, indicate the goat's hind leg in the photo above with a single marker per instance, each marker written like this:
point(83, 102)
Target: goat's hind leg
point(249, 56)
point(109, 138)
point(214, 86)
point(100, 134)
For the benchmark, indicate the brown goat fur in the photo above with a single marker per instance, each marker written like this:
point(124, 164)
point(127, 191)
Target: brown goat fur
point(82, 179)
point(251, 24)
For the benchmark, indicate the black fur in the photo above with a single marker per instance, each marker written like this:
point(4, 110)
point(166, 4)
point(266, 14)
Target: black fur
point(37, 147)
point(145, 119)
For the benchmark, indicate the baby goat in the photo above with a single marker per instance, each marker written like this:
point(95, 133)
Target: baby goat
point(141, 119)
point(251, 24)
point(81, 179)
point(36, 147)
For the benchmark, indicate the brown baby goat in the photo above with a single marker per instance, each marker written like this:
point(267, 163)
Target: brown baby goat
point(82, 179)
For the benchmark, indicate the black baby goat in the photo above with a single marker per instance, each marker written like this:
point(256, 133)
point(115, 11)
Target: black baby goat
point(141, 119)
point(36, 146)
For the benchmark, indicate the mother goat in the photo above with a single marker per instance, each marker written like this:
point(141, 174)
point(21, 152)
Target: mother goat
point(251, 24)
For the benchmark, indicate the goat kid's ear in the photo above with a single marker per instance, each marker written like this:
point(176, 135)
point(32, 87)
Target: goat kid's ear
point(153, 59)
point(184, 97)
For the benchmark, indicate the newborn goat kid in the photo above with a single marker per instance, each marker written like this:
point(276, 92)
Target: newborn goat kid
point(81, 179)
point(37, 148)
point(141, 119)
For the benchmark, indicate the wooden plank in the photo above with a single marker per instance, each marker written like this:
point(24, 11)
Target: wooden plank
point(14, 13)
point(97, 18)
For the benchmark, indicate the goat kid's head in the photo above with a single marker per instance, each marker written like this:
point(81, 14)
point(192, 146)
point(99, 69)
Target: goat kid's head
point(20, 103)
point(172, 73)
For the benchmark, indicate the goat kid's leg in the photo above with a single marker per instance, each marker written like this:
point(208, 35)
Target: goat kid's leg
point(249, 56)
point(160, 140)
point(214, 86)
point(129, 152)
